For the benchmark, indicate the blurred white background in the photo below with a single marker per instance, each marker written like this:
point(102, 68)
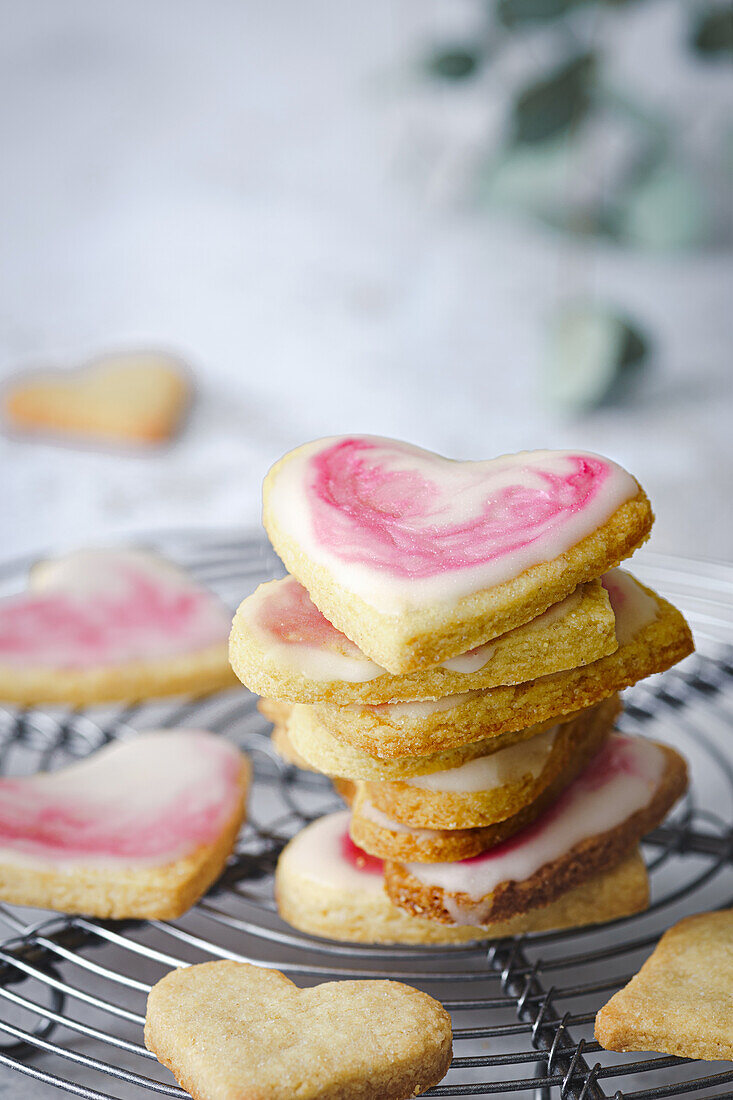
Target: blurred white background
point(282, 194)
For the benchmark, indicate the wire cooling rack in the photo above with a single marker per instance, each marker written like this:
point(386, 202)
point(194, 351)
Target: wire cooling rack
point(72, 989)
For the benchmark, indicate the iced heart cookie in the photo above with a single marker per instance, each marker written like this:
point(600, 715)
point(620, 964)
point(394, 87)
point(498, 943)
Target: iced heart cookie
point(326, 753)
point(681, 1001)
point(282, 646)
point(139, 829)
point(623, 793)
point(138, 397)
point(327, 886)
point(417, 558)
point(231, 1031)
point(501, 785)
point(651, 633)
point(382, 836)
point(98, 625)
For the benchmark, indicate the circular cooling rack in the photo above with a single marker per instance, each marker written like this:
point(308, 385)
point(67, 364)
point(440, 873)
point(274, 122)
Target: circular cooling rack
point(72, 989)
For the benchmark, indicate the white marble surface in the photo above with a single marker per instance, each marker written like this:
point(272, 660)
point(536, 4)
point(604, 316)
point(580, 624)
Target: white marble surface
point(276, 193)
point(272, 191)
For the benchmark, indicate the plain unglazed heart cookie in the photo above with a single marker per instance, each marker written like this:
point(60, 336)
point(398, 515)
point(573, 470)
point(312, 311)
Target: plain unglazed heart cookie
point(102, 625)
point(417, 558)
point(139, 829)
point(681, 1001)
point(231, 1031)
point(135, 397)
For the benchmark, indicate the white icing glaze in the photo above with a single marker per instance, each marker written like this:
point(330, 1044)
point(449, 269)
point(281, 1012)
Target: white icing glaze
point(102, 607)
point(324, 853)
point(497, 770)
point(633, 607)
point(499, 517)
point(371, 813)
point(415, 711)
point(472, 661)
point(142, 802)
point(621, 780)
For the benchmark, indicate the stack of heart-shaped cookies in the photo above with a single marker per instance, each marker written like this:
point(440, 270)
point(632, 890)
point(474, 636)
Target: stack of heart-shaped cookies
point(449, 647)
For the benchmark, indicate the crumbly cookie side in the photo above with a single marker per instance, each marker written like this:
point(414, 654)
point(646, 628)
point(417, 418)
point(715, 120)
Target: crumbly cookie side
point(335, 757)
point(388, 734)
point(195, 673)
point(575, 745)
point(537, 648)
point(581, 862)
point(422, 637)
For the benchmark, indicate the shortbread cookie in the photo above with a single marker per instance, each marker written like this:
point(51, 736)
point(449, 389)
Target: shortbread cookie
point(139, 829)
point(501, 785)
point(136, 397)
point(326, 886)
point(624, 792)
point(282, 646)
point(652, 635)
point(381, 836)
point(278, 714)
point(417, 558)
point(681, 1001)
point(325, 753)
point(101, 625)
point(231, 1031)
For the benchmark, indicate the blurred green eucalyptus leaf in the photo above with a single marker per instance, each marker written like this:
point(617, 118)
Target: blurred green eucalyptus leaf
point(529, 177)
point(712, 32)
point(513, 13)
point(665, 210)
point(454, 63)
point(555, 103)
point(594, 354)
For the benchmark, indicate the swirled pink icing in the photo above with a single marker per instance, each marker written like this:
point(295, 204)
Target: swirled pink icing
point(142, 802)
point(102, 607)
point(619, 781)
point(390, 519)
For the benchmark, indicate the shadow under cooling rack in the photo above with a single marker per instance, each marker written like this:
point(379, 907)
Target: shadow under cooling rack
point(73, 990)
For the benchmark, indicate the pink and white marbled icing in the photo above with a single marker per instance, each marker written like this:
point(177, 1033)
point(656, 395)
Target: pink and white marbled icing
point(296, 635)
point(143, 802)
point(94, 608)
point(401, 526)
point(325, 853)
point(621, 780)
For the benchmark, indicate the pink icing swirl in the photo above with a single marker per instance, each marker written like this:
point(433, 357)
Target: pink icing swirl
point(289, 615)
point(136, 615)
point(368, 505)
point(188, 787)
point(357, 858)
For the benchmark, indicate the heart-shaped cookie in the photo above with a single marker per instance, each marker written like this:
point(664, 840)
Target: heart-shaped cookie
point(417, 558)
point(134, 397)
point(230, 1031)
point(138, 829)
point(100, 625)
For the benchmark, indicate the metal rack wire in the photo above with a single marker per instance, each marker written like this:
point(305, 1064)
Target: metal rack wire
point(72, 989)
